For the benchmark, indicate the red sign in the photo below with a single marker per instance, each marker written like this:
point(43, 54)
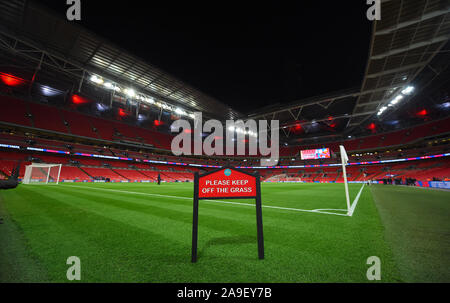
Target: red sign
point(227, 183)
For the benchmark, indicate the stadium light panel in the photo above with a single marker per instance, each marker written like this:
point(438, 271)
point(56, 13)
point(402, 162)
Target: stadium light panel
point(422, 113)
point(405, 92)
point(122, 112)
point(78, 100)
point(445, 105)
point(408, 90)
point(11, 80)
point(108, 85)
point(142, 117)
point(101, 107)
point(49, 92)
point(180, 112)
point(96, 79)
point(397, 99)
point(130, 92)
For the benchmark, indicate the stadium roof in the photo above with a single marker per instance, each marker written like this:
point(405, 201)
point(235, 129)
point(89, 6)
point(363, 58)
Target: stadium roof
point(406, 39)
point(37, 34)
point(408, 36)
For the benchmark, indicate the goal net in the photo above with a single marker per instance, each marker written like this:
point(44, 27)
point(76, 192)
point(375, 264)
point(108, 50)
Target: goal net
point(37, 173)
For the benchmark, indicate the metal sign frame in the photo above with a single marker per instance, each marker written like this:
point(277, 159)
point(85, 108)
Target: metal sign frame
point(257, 197)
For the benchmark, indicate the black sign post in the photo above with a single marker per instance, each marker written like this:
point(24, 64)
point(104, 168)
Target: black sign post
point(195, 220)
point(259, 224)
point(255, 194)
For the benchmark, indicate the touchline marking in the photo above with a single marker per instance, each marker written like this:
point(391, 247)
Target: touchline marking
point(316, 211)
point(352, 208)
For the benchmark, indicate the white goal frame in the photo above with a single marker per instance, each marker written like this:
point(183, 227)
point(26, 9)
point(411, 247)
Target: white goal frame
point(29, 169)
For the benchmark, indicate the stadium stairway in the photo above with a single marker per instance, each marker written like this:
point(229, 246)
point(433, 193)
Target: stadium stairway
point(85, 172)
point(114, 170)
point(144, 175)
point(337, 176)
point(358, 176)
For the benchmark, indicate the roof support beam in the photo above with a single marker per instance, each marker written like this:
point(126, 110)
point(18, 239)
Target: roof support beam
point(309, 103)
point(411, 22)
point(410, 47)
point(369, 103)
point(298, 114)
point(303, 104)
point(396, 70)
point(334, 118)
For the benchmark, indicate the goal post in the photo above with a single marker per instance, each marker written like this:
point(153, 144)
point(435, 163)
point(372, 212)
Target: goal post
point(38, 173)
point(344, 160)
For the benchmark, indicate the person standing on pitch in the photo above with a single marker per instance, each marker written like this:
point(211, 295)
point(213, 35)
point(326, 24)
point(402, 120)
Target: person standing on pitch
point(159, 179)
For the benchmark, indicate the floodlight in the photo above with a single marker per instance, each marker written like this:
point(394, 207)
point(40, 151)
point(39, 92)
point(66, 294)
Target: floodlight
point(49, 92)
point(108, 85)
point(408, 90)
point(179, 111)
point(130, 92)
point(96, 79)
point(397, 99)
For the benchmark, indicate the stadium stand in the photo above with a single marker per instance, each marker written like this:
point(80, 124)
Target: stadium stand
point(47, 117)
point(14, 111)
point(83, 135)
point(79, 124)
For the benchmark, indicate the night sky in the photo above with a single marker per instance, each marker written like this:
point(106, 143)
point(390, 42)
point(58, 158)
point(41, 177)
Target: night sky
point(245, 56)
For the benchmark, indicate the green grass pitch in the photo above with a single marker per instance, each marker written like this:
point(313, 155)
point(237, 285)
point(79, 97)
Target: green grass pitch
point(140, 232)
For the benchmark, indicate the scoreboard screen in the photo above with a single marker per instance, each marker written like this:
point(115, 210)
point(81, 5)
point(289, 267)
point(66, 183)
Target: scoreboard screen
point(321, 153)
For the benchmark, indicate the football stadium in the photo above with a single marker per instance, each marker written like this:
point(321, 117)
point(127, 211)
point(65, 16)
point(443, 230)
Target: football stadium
point(95, 190)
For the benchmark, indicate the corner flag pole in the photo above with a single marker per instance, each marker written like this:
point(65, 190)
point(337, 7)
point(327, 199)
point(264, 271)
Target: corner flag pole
point(344, 159)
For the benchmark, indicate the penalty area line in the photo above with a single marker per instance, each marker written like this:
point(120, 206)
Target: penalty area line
point(315, 211)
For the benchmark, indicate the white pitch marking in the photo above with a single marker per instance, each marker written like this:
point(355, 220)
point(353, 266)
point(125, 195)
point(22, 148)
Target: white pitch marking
point(335, 209)
point(214, 201)
point(352, 208)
